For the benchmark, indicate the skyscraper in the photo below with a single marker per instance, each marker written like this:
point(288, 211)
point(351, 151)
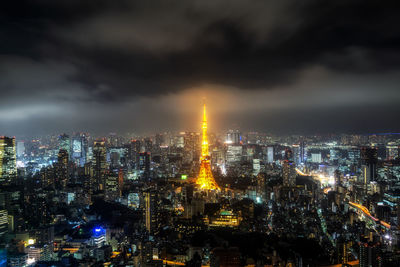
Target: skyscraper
point(369, 160)
point(3, 223)
point(288, 173)
point(8, 160)
point(205, 179)
point(100, 164)
point(151, 211)
point(64, 142)
point(62, 168)
point(144, 164)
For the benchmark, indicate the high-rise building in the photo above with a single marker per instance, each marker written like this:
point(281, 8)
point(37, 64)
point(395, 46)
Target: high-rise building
point(3, 223)
point(234, 154)
point(151, 211)
point(369, 161)
point(100, 164)
point(270, 154)
point(64, 142)
point(205, 179)
point(79, 148)
point(256, 167)
point(20, 148)
point(8, 159)
point(62, 173)
point(144, 164)
point(134, 150)
point(316, 157)
point(233, 137)
point(111, 187)
point(192, 145)
point(148, 145)
point(289, 173)
point(369, 254)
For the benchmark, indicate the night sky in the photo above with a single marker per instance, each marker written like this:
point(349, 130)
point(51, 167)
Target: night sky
point(145, 66)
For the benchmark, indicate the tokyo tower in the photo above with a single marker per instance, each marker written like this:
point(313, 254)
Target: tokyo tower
point(205, 179)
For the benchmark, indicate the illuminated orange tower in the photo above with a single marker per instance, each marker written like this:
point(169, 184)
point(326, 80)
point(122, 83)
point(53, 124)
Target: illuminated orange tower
point(205, 179)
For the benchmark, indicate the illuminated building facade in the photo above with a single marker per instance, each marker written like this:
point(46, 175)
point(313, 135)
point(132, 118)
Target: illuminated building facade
point(205, 179)
point(151, 205)
point(64, 142)
point(226, 218)
point(8, 160)
point(289, 173)
point(3, 223)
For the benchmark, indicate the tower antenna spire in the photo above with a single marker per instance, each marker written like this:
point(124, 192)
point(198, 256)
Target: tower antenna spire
point(205, 179)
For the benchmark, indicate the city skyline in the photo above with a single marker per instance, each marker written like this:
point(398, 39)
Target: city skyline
point(130, 66)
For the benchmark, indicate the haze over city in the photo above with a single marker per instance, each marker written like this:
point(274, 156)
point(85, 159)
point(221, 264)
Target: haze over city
point(144, 66)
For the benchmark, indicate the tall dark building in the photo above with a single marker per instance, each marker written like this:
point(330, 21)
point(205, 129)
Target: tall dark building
point(369, 255)
point(144, 164)
point(148, 145)
point(62, 173)
point(369, 161)
point(8, 159)
point(134, 150)
point(100, 164)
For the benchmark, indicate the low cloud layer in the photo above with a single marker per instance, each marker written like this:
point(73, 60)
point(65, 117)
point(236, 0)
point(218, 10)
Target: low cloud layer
point(140, 66)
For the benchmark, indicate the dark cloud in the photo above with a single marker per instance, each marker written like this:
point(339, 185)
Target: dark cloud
point(112, 52)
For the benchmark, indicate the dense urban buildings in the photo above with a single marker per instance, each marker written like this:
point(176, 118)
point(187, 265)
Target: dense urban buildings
point(236, 199)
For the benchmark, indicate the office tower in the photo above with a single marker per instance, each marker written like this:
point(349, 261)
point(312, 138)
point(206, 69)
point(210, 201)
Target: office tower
point(192, 145)
point(391, 151)
point(79, 148)
point(3, 223)
point(316, 157)
point(111, 187)
point(205, 179)
point(20, 149)
point(270, 154)
point(234, 154)
point(289, 173)
point(134, 150)
point(302, 152)
point(144, 164)
point(8, 160)
point(64, 142)
point(233, 137)
point(261, 183)
point(100, 164)
point(369, 254)
point(151, 211)
point(354, 155)
point(369, 160)
point(148, 145)
point(256, 167)
point(62, 173)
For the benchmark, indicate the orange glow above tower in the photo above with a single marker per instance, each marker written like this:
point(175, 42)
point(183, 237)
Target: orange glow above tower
point(205, 179)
